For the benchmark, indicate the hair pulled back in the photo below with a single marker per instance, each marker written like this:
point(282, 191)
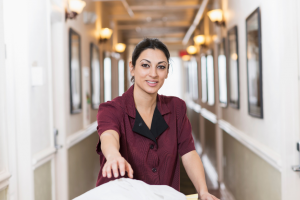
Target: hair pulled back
point(148, 43)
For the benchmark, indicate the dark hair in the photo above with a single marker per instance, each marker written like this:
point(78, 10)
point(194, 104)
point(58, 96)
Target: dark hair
point(148, 43)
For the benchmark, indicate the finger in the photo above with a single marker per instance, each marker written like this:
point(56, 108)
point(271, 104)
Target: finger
point(129, 170)
point(215, 198)
point(108, 171)
point(122, 167)
point(115, 169)
point(104, 171)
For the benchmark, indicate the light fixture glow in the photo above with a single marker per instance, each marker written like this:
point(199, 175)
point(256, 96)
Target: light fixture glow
point(234, 56)
point(120, 47)
point(199, 39)
point(186, 57)
point(191, 49)
point(105, 33)
point(76, 6)
point(215, 15)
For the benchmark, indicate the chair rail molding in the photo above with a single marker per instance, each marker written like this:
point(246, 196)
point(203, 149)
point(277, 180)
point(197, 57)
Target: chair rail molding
point(81, 135)
point(259, 149)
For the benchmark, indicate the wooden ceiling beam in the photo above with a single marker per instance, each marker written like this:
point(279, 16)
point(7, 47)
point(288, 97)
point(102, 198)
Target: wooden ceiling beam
point(164, 7)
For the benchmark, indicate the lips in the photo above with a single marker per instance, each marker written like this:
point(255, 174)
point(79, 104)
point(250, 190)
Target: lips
point(152, 83)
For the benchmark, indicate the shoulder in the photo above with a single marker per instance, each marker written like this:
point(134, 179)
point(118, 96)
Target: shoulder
point(113, 107)
point(174, 103)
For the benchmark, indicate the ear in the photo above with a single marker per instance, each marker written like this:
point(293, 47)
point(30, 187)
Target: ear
point(131, 68)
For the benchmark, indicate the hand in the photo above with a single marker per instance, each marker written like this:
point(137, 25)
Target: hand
point(207, 196)
point(113, 164)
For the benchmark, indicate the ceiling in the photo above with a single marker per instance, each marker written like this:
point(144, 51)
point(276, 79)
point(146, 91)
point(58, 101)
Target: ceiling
point(167, 20)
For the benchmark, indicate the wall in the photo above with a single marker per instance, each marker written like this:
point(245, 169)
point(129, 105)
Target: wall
point(38, 56)
point(88, 34)
point(83, 166)
point(267, 130)
point(43, 182)
point(248, 176)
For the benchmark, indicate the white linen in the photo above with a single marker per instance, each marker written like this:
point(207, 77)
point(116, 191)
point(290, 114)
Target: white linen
point(130, 189)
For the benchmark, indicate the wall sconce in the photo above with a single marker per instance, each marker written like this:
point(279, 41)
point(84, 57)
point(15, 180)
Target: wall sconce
point(191, 50)
point(216, 16)
point(105, 34)
point(186, 57)
point(75, 8)
point(199, 39)
point(120, 47)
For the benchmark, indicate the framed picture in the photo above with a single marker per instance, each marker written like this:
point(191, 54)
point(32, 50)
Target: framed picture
point(254, 64)
point(107, 76)
point(203, 78)
point(222, 73)
point(234, 88)
point(210, 78)
point(75, 72)
point(95, 75)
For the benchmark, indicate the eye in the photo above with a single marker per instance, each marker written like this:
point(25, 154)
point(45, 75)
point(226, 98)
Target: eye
point(145, 65)
point(161, 67)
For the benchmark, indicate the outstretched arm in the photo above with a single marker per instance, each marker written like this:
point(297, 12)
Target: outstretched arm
point(194, 168)
point(110, 146)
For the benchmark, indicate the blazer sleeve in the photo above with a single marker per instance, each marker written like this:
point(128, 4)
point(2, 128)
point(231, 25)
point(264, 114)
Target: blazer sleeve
point(185, 137)
point(108, 118)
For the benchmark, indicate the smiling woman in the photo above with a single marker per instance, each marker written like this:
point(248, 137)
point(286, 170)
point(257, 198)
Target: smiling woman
point(143, 133)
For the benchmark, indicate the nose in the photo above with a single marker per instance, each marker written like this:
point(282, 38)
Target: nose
point(153, 72)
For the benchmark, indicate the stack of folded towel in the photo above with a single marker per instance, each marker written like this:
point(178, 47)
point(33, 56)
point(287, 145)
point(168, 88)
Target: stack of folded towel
point(130, 189)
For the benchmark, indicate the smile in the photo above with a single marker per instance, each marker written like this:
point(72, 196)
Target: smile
point(152, 83)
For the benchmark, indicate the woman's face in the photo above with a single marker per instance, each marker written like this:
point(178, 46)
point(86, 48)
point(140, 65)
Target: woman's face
point(150, 71)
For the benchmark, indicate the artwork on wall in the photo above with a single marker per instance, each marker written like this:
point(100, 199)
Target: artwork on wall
point(203, 78)
point(254, 64)
point(75, 72)
point(95, 75)
point(107, 77)
point(233, 57)
point(222, 73)
point(210, 78)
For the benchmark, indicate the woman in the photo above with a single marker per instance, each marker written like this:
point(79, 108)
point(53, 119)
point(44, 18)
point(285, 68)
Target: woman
point(142, 133)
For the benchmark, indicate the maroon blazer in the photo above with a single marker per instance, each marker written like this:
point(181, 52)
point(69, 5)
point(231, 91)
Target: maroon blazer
point(153, 154)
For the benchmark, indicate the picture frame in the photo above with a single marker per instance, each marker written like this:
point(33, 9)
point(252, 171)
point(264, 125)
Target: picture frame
point(210, 74)
point(233, 68)
point(95, 76)
point(254, 64)
point(75, 72)
point(222, 73)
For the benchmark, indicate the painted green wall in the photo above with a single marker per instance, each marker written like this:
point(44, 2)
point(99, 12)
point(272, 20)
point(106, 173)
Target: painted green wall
point(246, 175)
point(83, 164)
point(43, 182)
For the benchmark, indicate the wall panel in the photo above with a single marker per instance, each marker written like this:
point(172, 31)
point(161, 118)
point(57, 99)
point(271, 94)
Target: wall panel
point(83, 166)
point(246, 175)
point(43, 182)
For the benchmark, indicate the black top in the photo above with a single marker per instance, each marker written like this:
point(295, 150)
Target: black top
point(158, 125)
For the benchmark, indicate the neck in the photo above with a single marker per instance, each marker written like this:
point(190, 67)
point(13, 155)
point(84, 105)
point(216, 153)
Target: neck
point(144, 101)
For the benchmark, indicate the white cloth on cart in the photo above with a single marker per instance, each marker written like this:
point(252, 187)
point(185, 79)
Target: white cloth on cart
point(130, 189)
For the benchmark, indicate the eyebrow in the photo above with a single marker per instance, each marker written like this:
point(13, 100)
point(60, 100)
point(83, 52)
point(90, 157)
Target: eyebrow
point(157, 63)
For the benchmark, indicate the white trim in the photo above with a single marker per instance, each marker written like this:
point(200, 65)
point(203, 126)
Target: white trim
point(259, 149)
point(4, 179)
point(262, 151)
point(42, 157)
point(209, 115)
point(194, 106)
point(81, 135)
